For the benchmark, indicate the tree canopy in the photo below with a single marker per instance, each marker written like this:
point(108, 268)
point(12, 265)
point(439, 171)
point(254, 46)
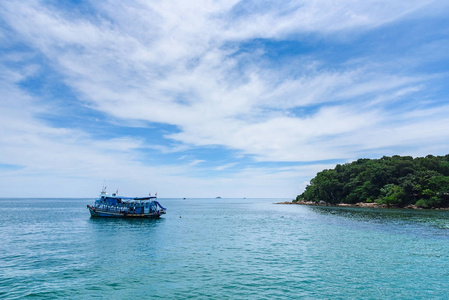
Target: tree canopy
point(396, 181)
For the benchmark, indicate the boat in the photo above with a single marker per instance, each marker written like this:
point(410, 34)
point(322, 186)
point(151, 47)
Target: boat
point(114, 206)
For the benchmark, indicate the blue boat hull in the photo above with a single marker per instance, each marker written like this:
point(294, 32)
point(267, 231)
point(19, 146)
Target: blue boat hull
point(106, 214)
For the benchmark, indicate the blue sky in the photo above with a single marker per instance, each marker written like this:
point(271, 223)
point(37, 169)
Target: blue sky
point(214, 98)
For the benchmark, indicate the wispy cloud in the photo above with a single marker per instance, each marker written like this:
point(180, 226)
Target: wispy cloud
point(224, 167)
point(216, 83)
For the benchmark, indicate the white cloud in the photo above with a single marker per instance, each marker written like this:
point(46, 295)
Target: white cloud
point(179, 63)
point(224, 167)
point(329, 17)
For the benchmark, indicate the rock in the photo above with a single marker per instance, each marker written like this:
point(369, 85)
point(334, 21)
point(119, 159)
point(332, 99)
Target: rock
point(411, 206)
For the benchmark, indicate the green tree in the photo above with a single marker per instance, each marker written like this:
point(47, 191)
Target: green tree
point(395, 181)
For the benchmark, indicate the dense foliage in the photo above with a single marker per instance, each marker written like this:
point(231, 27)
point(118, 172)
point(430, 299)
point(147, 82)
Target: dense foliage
point(395, 181)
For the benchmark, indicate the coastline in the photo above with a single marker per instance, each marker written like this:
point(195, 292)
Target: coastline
point(359, 204)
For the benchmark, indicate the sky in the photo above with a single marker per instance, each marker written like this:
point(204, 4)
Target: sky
point(214, 98)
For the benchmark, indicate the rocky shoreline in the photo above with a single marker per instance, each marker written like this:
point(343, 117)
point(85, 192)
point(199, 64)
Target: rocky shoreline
point(360, 204)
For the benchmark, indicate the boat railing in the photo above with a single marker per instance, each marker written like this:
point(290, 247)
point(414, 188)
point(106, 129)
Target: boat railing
point(113, 208)
point(125, 209)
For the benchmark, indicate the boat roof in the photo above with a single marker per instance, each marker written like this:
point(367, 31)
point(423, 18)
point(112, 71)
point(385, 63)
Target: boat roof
point(129, 198)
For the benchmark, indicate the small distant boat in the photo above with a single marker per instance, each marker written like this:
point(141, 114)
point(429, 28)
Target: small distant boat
point(126, 207)
point(218, 197)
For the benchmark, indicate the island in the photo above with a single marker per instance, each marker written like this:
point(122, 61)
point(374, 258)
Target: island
point(397, 181)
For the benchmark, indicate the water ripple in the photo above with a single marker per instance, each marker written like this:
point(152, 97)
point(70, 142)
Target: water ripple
point(221, 249)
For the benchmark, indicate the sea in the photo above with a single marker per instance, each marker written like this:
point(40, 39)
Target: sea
point(222, 249)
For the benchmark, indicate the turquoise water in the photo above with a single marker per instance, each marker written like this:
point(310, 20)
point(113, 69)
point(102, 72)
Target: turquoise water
point(222, 249)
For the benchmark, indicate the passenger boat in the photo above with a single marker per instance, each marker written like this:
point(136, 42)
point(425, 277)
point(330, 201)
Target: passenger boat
point(126, 207)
